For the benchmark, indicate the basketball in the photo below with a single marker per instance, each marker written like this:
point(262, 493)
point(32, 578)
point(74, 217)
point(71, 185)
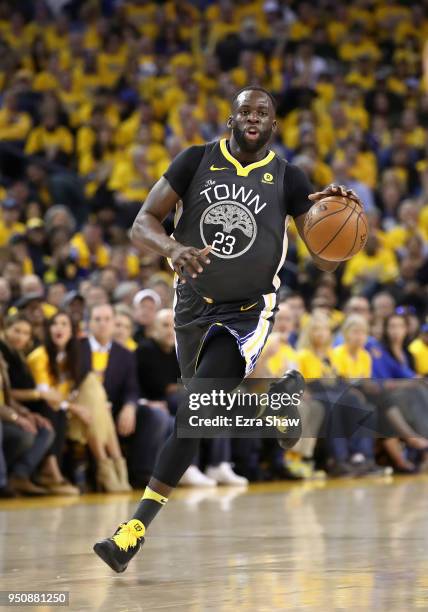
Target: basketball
point(336, 228)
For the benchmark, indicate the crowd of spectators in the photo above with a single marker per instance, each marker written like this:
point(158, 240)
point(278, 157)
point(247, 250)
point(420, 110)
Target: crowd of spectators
point(96, 99)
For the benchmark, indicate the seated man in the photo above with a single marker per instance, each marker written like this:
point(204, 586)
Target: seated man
point(158, 372)
point(142, 428)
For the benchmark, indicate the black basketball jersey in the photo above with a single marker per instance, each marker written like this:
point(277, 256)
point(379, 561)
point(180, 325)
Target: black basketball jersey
point(242, 212)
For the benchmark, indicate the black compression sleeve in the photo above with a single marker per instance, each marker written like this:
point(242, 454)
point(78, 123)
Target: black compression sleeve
point(183, 168)
point(297, 187)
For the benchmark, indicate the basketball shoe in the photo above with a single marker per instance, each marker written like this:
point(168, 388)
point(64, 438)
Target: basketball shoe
point(124, 544)
point(293, 384)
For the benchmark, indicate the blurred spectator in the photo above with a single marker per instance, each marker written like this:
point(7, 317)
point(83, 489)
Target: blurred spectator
point(74, 305)
point(26, 437)
point(54, 367)
point(157, 365)
point(14, 125)
point(50, 140)
point(297, 307)
point(419, 349)
point(341, 177)
point(31, 306)
point(383, 305)
point(140, 428)
point(370, 268)
point(124, 327)
point(404, 402)
point(9, 223)
point(353, 361)
point(146, 303)
point(5, 296)
point(278, 355)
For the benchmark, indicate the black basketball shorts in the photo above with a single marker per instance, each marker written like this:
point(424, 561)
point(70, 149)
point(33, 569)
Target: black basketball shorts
point(197, 319)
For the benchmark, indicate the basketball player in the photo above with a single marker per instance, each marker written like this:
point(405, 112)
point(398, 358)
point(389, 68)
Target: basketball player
point(232, 199)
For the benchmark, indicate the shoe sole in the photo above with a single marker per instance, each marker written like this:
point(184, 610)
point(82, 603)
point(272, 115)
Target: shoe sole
point(104, 553)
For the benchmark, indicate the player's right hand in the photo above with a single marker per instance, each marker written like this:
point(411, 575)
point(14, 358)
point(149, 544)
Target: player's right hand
point(189, 260)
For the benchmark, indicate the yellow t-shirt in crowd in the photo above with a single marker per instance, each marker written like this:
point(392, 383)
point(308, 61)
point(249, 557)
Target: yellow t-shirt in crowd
point(45, 81)
point(7, 231)
point(419, 350)
point(129, 182)
point(348, 366)
point(40, 140)
point(383, 266)
point(397, 237)
point(85, 258)
point(312, 365)
point(284, 359)
point(14, 126)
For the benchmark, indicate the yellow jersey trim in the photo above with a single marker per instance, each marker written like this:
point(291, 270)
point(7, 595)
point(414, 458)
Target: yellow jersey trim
point(240, 169)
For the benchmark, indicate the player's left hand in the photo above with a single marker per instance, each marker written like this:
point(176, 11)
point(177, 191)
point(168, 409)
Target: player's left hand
point(336, 190)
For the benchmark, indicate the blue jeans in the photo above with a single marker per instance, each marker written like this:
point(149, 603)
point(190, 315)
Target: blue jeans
point(23, 450)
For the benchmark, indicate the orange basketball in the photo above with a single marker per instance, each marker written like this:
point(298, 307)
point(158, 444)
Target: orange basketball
point(336, 228)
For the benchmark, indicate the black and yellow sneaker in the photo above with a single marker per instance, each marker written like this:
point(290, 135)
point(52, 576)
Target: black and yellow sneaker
point(118, 550)
point(293, 384)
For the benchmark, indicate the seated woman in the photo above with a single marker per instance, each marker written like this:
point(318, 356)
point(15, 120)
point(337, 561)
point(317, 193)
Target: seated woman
point(403, 400)
point(353, 362)
point(346, 447)
point(16, 339)
point(56, 365)
point(25, 438)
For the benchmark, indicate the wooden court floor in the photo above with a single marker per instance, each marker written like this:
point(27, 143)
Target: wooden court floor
point(342, 545)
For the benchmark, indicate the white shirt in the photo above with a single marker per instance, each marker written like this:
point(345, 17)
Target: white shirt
point(96, 347)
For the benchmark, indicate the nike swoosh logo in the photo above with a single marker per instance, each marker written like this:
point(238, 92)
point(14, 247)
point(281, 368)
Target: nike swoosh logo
point(248, 307)
point(213, 168)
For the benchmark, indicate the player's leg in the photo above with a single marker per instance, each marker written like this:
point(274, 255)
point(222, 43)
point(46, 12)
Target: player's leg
point(220, 366)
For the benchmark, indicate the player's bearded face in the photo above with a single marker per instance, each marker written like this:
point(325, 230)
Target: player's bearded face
point(240, 132)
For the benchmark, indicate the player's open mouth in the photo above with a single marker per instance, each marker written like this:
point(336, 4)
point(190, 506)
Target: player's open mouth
point(252, 133)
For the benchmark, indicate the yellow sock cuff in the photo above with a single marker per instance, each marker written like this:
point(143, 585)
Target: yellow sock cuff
point(157, 497)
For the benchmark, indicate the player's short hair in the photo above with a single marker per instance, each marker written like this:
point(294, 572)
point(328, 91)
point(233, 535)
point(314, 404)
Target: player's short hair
point(255, 88)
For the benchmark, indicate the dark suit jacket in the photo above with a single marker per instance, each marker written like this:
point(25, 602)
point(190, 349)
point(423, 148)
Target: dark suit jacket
point(120, 377)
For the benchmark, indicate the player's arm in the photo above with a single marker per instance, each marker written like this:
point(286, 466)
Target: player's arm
point(148, 230)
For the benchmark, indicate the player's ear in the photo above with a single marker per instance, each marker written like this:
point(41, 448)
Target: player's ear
point(229, 121)
point(274, 125)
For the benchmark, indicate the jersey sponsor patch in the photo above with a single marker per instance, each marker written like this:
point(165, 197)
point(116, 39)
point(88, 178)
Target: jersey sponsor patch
point(267, 178)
